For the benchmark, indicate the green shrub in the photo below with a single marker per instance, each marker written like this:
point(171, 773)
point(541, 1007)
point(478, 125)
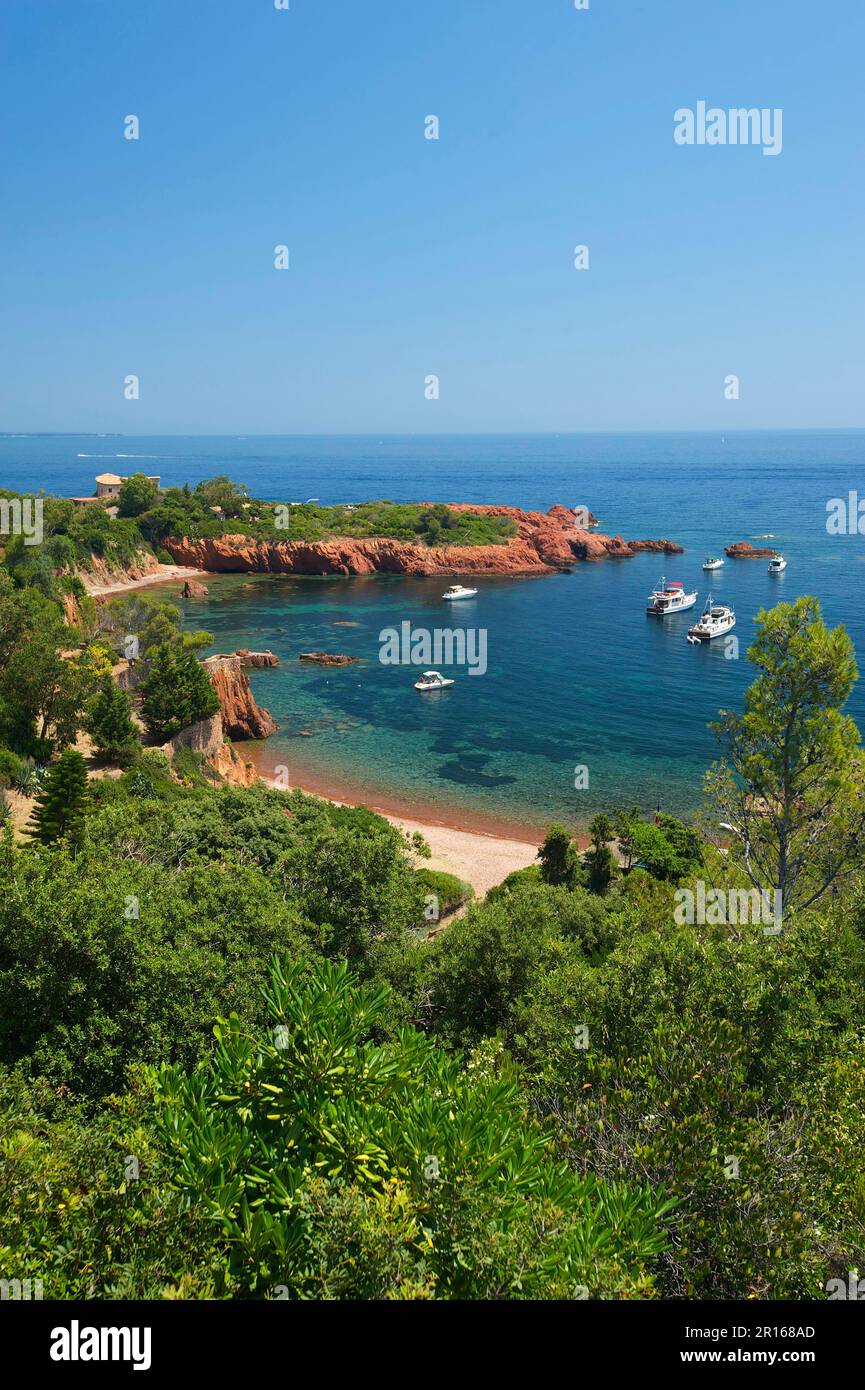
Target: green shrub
point(338, 1168)
point(451, 892)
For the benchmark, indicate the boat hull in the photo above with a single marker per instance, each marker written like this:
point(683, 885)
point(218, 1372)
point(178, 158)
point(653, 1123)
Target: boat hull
point(704, 635)
point(665, 610)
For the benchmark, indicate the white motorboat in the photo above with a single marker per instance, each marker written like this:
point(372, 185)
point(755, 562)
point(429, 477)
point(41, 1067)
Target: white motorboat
point(777, 564)
point(670, 597)
point(432, 680)
point(457, 591)
point(717, 619)
point(713, 564)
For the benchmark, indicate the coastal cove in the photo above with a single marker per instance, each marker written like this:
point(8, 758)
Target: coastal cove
point(498, 751)
point(577, 675)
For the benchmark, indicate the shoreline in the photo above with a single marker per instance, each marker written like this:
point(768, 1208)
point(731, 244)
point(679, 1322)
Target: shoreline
point(348, 792)
point(479, 857)
point(166, 574)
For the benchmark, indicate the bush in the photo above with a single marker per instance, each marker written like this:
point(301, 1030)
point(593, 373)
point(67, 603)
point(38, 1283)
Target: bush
point(11, 768)
point(387, 1170)
point(451, 892)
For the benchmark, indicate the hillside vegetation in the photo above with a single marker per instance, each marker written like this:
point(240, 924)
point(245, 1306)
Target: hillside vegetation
point(237, 1062)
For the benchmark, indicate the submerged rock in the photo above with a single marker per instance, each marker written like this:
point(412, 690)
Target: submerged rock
point(328, 658)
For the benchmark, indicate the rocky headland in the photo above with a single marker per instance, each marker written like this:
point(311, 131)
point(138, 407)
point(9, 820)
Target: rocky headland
point(545, 542)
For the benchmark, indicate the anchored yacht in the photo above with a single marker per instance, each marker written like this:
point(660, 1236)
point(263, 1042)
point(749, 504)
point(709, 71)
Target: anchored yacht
point(777, 564)
point(717, 619)
point(713, 564)
point(670, 597)
point(457, 591)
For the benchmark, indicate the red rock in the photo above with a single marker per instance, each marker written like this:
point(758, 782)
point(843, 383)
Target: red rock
point(206, 738)
point(744, 550)
point(241, 716)
point(193, 589)
point(71, 610)
point(256, 660)
point(545, 542)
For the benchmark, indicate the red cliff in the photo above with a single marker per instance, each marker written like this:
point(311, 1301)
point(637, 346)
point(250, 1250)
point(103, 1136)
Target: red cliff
point(241, 716)
point(545, 542)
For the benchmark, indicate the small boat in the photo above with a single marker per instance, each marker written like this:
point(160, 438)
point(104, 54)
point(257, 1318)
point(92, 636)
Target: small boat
point(670, 597)
point(712, 564)
point(457, 591)
point(432, 680)
point(777, 564)
point(717, 619)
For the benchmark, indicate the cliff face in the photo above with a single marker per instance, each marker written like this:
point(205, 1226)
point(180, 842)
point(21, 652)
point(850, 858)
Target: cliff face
point(98, 575)
point(205, 738)
point(546, 541)
point(241, 716)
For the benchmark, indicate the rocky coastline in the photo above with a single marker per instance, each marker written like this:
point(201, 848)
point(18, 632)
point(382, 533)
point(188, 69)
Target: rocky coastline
point(545, 542)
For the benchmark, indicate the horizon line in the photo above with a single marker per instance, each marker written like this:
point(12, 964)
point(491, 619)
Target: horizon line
point(420, 434)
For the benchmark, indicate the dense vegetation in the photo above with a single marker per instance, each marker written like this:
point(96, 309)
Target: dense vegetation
point(569, 1090)
point(76, 536)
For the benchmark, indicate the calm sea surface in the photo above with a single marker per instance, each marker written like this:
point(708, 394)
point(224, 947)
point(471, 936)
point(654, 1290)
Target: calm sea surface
point(577, 674)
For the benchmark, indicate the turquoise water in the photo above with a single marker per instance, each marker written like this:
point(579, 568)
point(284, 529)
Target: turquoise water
point(577, 674)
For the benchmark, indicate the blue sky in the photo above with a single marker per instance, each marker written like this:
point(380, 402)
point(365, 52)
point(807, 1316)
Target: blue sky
point(411, 257)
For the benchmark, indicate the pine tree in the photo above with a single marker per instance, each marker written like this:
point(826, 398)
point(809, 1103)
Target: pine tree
point(176, 693)
point(559, 860)
point(110, 723)
point(61, 805)
point(599, 857)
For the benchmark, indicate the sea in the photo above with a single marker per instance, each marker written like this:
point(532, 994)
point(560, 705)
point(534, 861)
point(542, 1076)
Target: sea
point(586, 703)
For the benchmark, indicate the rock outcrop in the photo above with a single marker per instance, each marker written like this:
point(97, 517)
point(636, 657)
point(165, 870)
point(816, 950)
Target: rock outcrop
point(744, 550)
point(206, 738)
point(193, 588)
point(241, 716)
point(71, 610)
point(256, 659)
point(328, 658)
point(232, 767)
point(545, 542)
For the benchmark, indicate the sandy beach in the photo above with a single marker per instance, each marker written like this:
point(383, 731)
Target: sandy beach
point(481, 860)
point(162, 575)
